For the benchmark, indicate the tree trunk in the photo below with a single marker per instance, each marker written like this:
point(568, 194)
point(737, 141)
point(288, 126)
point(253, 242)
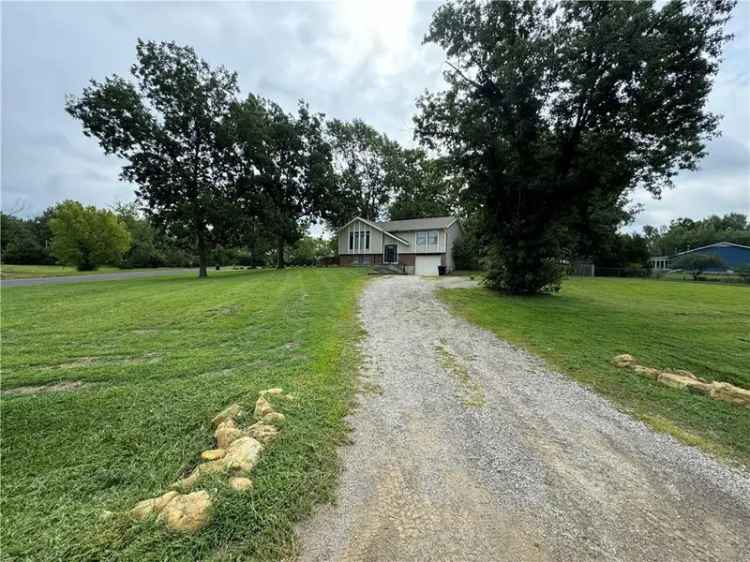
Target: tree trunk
point(202, 255)
point(280, 257)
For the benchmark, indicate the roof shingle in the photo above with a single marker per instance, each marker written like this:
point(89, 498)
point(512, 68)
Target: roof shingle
point(416, 224)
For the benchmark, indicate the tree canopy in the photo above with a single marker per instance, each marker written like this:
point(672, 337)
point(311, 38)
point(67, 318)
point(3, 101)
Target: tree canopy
point(423, 186)
point(685, 234)
point(87, 237)
point(555, 111)
point(170, 128)
point(360, 162)
point(288, 178)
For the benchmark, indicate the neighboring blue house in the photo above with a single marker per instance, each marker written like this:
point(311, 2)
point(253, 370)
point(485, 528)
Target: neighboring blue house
point(733, 255)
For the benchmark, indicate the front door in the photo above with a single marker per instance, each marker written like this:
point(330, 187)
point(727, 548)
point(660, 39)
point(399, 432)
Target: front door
point(390, 253)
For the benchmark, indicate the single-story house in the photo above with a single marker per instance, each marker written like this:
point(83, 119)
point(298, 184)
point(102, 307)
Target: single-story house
point(733, 255)
point(416, 246)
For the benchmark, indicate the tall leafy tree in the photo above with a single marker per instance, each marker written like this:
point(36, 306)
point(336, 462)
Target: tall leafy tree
point(286, 170)
point(686, 234)
point(87, 237)
point(423, 186)
point(555, 110)
point(360, 160)
point(169, 126)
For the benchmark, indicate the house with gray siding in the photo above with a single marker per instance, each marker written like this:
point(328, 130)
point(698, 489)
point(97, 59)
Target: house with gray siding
point(416, 246)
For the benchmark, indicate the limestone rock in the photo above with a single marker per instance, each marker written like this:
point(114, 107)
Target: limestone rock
point(213, 454)
point(730, 393)
point(624, 360)
point(201, 470)
point(262, 407)
point(685, 373)
point(700, 388)
point(273, 417)
point(262, 432)
point(677, 381)
point(144, 509)
point(240, 483)
point(188, 513)
point(649, 372)
point(243, 454)
point(226, 433)
point(228, 413)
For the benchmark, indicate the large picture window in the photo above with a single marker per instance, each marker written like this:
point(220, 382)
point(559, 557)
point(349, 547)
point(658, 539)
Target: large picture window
point(427, 239)
point(359, 240)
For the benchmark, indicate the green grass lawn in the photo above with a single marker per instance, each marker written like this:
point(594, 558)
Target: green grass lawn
point(700, 327)
point(33, 271)
point(162, 356)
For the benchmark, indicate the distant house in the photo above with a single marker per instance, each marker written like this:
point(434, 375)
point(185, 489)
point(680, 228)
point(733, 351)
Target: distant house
point(733, 255)
point(416, 246)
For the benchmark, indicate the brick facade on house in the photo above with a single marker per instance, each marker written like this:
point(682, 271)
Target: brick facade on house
point(374, 259)
point(377, 259)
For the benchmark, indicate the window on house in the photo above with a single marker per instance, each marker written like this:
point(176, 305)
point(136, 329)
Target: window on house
point(427, 239)
point(359, 240)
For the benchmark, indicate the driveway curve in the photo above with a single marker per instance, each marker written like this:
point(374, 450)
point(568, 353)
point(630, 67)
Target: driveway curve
point(467, 448)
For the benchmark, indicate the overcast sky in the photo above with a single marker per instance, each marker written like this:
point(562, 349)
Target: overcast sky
point(347, 60)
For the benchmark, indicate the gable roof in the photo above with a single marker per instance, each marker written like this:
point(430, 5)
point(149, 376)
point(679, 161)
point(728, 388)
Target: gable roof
point(715, 245)
point(376, 227)
point(417, 224)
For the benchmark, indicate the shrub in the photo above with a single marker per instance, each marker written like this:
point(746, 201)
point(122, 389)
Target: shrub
point(744, 272)
point(698, 263)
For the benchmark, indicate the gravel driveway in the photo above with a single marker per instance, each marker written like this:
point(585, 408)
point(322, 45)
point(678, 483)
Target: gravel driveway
point(466, 448)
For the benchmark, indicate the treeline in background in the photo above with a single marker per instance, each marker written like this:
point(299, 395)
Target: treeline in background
point(123, 237)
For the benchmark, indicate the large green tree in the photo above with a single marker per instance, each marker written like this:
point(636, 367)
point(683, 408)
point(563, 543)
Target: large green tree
point(360, 160)
point(87, 237)
point(555, 110)
point(423, 186)
point(286, 178)
point(169, 126)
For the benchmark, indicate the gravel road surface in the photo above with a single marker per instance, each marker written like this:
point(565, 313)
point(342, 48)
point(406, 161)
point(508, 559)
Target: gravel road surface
point(466, 448)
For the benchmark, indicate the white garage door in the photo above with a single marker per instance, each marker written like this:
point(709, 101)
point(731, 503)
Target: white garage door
point(426, 265)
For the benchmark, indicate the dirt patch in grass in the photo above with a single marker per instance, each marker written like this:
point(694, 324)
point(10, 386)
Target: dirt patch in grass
point(224, 310)
point(82, 362)
point(62, 386)
point(145, 332)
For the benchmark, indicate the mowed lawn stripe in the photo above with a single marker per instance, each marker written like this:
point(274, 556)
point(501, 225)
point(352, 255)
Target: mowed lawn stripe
point(68, 456)
point(700, 327)
point(166, 316)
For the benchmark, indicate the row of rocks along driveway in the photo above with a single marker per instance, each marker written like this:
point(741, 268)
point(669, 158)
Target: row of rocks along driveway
point(466, 448)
